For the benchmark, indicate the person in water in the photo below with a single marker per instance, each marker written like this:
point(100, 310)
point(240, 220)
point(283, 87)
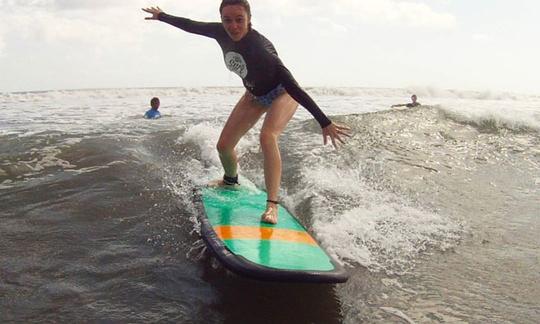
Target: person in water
point(153, 113)
point(412, 104)
point(270, 89)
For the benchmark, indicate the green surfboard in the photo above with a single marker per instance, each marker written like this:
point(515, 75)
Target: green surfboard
point(232, 228)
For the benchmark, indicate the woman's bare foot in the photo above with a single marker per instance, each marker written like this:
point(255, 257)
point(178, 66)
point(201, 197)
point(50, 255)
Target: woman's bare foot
point(270, 215)
point(219, 183)
point(216, 183)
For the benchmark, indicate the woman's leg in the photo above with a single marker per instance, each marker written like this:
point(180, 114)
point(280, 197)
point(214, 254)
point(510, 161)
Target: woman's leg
point(277, 117)
point(244, 116)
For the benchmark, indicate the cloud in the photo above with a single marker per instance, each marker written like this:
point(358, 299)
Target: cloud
point(52, 28)
point(51, 21)
point(376, 12)
point(96, 22)
point(481, 37)
point(395, 12)
point(90, 4)
point(104, 22)
point(64, 4)
point(2, 35)
point(184, 7)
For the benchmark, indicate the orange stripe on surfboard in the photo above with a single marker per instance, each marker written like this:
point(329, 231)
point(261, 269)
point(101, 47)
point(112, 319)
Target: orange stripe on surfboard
point(263, 233)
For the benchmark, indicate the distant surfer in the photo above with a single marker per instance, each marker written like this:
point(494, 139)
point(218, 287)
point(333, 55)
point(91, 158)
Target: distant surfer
point(270, 88)
point(412, 104)
point(153, 112)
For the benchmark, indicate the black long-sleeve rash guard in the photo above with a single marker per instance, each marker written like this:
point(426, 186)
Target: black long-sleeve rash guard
point(254, 59)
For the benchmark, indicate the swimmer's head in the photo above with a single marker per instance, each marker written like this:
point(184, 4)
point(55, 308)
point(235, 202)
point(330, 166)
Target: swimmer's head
point(154, 103)
point(414, 98)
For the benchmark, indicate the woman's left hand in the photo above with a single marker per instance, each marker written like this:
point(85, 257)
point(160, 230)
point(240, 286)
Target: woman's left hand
point(335, 131)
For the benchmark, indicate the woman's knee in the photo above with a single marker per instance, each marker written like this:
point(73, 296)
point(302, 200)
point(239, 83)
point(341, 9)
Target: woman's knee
point(268, 136)
point(224, 147)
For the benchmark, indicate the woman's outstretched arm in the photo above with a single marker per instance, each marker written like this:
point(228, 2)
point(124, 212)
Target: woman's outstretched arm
point(190, 26)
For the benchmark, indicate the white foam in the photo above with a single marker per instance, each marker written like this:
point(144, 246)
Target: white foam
point(92, 110)
point(205, 136)
point(46, 158)
point(375, 228)
point(510, 115)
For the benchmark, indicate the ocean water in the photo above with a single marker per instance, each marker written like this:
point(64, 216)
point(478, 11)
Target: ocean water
point(434, 211)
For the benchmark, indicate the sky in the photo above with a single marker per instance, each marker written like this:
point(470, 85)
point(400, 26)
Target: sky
point(448, 44)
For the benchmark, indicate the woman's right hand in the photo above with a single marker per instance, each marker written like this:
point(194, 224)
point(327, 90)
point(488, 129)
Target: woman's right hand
point(155, 11)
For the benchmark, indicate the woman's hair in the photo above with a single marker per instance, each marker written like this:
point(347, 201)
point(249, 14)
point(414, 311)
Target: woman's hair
point(242, 3)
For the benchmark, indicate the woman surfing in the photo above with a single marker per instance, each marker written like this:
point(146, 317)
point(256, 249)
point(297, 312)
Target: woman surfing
point(270, 89)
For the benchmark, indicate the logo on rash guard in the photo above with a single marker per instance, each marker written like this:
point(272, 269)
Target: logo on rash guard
point(235, 63)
